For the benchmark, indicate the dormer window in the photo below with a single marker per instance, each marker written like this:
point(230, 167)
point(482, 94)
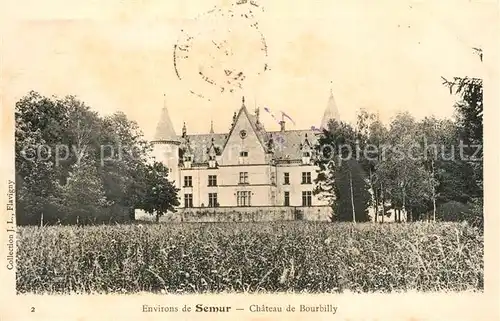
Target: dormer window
point(212, 163)
point(306, 157)
point(306, 151)
point(188, 159)
point(212, 155)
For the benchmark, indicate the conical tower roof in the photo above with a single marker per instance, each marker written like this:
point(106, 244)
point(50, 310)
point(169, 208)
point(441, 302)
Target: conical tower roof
point(331, 111)
point(165, 130)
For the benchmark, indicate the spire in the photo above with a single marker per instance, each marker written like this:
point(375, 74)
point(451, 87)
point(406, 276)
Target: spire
point(184, 130)
point(211, 127)
point(165, 130)
point(331, 111)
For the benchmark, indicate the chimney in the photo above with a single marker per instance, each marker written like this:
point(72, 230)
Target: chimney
point(282, 124)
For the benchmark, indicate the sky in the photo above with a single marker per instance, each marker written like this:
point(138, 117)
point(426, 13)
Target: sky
point(116, 55)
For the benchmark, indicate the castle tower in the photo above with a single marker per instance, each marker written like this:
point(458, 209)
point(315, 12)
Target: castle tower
point(166, 144)
point(331, 111)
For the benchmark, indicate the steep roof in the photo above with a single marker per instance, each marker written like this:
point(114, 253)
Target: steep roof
point(288, 143)
point(200, 143)
point(259, 131)
point(164, 129)
point(331, 112)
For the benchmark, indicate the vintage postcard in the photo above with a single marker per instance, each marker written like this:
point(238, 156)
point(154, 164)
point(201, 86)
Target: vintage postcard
point(249, 160)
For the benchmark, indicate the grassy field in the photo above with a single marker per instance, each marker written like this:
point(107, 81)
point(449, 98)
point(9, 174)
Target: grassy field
point(244, 257)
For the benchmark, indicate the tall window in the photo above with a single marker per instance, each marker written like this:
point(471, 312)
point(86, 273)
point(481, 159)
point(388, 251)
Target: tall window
point(212, 200)
point(243, 177)
point(306, 177)
point(188, 181)
point(286, 177)
point(188, 200)
point(212, 180)
point(243, 198)
point(287, 199)
point(306, 198)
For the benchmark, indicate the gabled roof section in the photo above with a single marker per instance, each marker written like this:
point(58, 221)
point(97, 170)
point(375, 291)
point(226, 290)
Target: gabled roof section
point(288, 143)
point(165, 130)
point(261, 133)
point(212, 150)
point(187, 148)
point(331, 112)
point(306, 144)
point(200, 143)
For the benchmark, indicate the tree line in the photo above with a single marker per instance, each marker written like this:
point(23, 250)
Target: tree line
point(429, 169)
point(76, 167)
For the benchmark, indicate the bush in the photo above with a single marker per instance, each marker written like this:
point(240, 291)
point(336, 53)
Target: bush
point(453, 211)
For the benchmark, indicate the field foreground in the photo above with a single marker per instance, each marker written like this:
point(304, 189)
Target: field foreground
point(257, 257)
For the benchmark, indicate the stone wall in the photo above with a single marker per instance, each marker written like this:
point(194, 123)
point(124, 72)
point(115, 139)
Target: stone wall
point(244, 214)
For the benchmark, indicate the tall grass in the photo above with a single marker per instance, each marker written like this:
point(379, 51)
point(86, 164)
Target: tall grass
point(250, 257)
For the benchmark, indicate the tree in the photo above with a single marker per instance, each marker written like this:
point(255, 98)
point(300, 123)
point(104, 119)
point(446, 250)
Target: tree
point(159, 194)
point(372, 135)
point(378, 134)
point(401, 172)
point(82, 199)
point(39, 123)
point(123, 156)
point(53, 135)
point(450, 176)
point(469, 116)
point(469, 113)
point(341, 179)
point(352, 198)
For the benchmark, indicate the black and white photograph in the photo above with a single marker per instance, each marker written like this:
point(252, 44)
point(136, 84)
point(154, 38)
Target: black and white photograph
point(227, 147)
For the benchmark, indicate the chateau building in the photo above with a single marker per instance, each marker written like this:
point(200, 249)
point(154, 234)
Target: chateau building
point(248, 170)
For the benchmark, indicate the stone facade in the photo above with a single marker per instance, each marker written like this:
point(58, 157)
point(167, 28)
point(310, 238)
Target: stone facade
point(245, 214)
point(247, 174)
